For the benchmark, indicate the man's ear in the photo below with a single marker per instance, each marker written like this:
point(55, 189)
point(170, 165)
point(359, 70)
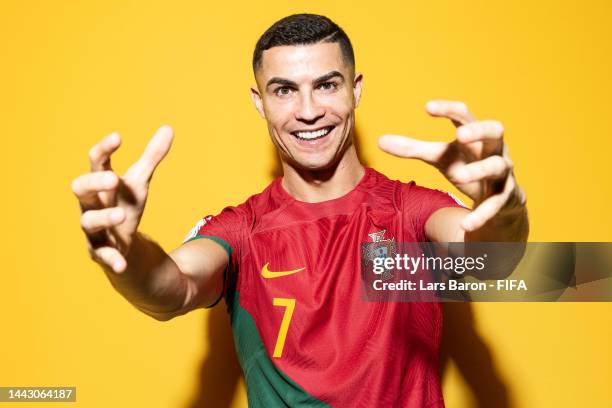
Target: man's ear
point(256, 97)
point(357, 87)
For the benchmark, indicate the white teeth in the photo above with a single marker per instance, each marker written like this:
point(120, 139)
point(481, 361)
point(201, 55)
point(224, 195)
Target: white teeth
point(312, 135)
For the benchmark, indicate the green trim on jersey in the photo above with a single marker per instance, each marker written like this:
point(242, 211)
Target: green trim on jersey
point(267, 385)
point(218, 240)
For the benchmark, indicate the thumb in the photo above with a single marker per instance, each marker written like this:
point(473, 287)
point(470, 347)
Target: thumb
point(157, 148)
point(403, 146)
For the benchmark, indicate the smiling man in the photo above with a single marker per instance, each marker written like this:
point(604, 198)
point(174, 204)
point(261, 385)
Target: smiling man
point(287, 260)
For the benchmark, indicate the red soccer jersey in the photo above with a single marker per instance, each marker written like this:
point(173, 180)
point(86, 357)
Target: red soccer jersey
point(303, 333)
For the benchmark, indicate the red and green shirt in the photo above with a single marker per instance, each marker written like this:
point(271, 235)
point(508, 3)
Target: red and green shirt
point(303, 332)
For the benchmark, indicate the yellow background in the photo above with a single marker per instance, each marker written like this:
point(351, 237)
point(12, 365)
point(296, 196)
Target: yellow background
point(72, 72)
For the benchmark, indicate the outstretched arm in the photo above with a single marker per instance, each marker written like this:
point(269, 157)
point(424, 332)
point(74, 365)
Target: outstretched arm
point(160, 284)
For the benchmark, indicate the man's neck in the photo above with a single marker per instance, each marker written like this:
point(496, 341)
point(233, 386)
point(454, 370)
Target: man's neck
point(322, 185)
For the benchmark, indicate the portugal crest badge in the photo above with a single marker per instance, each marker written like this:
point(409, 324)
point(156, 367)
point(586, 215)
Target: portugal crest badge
point(381, 248)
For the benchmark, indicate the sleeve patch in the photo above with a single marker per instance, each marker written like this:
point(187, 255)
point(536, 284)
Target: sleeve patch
point(457, 200)
point(194, 231)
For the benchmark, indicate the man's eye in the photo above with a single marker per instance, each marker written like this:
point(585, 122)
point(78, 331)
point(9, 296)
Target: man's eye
point(283, 91)
point(328, 86)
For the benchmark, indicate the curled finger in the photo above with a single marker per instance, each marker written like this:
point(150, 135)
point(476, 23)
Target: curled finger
point(483, 213)
point(87, 186)
point(100, 153)
point(492, 130)
point(492, 168)
point(110, 257)
point(456, 111)
point(98, 220)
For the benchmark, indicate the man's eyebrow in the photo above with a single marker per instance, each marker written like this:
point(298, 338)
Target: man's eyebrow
point(287, 82)
point(280, 81)
point(328, 76)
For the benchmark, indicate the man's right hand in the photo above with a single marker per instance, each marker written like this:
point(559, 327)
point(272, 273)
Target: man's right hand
point(112, 206)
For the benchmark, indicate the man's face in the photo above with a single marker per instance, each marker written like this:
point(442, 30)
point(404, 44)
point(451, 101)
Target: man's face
point(308, 95)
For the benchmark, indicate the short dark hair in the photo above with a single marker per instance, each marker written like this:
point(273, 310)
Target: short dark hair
point(303, 29)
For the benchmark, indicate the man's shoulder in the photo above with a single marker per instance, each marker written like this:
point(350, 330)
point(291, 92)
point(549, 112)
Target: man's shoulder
point(233, 220)
point(377, 179)
point(265, 198)
point(382, 186)
point(255, 205)
point(408, 191)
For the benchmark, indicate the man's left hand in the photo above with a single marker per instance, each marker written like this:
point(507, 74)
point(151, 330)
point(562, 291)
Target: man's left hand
point(476, 162)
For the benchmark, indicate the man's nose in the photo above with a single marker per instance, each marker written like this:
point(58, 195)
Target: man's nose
point(309, 110)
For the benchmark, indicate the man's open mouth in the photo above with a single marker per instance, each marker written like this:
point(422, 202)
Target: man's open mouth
point(312, 134)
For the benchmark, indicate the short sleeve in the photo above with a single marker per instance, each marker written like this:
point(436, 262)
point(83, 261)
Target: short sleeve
point(420, 202)
point(226, 229)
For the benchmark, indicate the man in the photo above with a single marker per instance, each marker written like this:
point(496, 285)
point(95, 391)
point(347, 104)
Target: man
point(287, 260)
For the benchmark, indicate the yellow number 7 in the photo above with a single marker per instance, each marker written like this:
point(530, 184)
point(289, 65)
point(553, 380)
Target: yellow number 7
point(289, 305)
